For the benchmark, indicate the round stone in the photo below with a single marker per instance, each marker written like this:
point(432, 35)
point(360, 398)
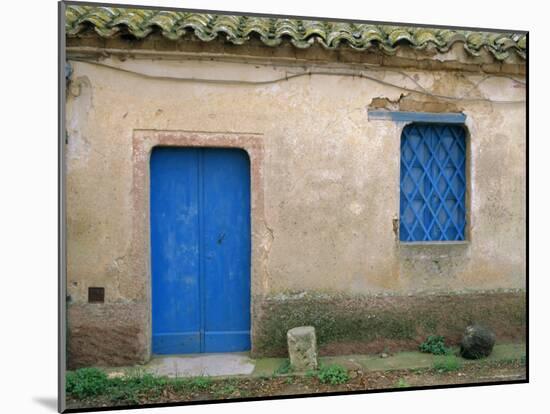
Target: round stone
point(477, 342)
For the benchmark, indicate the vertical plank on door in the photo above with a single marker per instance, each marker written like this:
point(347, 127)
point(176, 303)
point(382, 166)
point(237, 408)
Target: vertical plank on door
point(174, 250)
point(226, 241)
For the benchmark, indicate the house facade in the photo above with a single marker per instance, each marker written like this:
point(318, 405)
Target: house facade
point(231, 177)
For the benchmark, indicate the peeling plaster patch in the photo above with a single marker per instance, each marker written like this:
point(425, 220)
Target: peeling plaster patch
point(116, 271)
point(395, 226)
point(79, 106)
point(380, 102)
point(267, 243)
point(429, 105)
point(413, 103)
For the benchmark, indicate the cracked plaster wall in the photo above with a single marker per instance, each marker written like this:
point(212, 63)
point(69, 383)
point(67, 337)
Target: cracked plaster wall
point(330, 176)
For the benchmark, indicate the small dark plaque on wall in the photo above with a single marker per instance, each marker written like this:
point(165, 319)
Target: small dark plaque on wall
point(96, 295)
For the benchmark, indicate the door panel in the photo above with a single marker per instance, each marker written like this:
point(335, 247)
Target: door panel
point(200, 250)
point(174, 250)
point(226, 248)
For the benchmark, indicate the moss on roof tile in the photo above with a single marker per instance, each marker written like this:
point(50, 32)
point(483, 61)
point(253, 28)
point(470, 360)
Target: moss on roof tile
point(111, 21)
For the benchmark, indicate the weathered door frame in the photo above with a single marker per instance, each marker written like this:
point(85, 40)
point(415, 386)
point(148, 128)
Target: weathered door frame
point(143, 143)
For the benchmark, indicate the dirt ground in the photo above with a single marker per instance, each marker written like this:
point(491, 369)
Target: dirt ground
point(287, 385)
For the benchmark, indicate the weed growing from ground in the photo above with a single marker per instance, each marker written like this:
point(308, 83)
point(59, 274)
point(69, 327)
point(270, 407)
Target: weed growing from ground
point(201, 383)
point(333, 374)
point(227, 390)
point(434, 344)
point(93, 382)
point(447, 363)
point(402, 383)
point(130, 388)
point(86, 382)
point(284, 368)
point(310, 373)
point(180, 384)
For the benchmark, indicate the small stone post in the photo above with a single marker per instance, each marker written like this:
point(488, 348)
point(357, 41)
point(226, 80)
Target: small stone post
point(302, 348)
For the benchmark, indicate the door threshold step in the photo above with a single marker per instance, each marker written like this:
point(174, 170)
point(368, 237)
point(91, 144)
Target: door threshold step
point(196, 365)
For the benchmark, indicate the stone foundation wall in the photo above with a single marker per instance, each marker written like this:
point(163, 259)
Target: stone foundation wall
point(363, 324)
point(116, 334)
point(107, 335)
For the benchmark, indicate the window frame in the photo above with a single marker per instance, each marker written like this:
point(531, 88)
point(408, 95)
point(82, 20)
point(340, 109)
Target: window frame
point(456, 120)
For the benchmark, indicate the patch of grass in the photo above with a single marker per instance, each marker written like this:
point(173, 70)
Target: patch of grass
point(448, 363)
point(333, 374)
point(514, 360)
point(402, 383)
point(131, 388)
point(284, 368)
point(226, 390)
point(434, 344)
point(86, 382)
point(310, 373)
point(181, 384)
point(200, 383)
point(290, 380)
point(93, 382)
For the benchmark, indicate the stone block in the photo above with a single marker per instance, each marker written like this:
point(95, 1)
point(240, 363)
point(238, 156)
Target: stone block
point(302, 348)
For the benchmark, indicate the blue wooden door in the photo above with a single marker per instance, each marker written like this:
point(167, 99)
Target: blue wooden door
point(200, 250)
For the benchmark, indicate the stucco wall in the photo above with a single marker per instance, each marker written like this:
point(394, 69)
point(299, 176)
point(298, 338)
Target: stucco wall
point(329, 176)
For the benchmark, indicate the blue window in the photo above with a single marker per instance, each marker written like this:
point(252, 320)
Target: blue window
point(433, 183)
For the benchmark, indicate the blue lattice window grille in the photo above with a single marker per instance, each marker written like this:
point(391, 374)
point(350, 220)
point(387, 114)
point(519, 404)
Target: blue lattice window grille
point(433, 183)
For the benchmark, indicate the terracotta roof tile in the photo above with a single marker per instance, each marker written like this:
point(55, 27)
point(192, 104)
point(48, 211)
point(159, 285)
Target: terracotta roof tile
point(109, 21)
